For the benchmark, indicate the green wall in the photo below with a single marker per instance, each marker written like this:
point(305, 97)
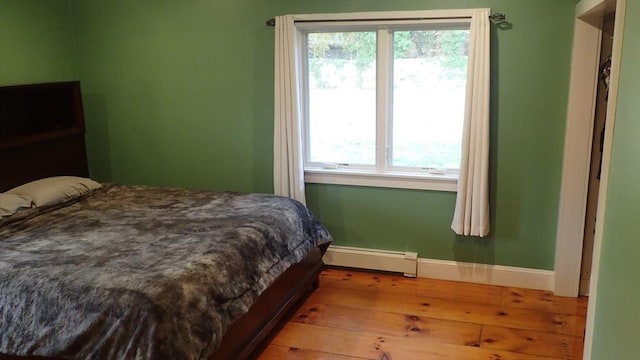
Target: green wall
point(36, 42)
point(617, 320)
point(180, 93)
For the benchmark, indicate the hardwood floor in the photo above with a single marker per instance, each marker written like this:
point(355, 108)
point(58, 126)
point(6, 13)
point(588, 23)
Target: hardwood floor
point(362, 315)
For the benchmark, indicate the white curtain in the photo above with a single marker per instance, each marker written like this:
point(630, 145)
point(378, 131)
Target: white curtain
point(471, 216)
point(288, 172)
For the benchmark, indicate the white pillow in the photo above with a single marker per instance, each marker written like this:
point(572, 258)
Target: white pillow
point(11, 203)
point(54, 190)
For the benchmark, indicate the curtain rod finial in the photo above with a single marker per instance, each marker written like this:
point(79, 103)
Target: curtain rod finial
point(271, 22)
point(498, 18)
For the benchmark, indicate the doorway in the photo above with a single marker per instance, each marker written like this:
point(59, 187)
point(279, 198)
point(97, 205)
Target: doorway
point(579, 133)
point(597, 148)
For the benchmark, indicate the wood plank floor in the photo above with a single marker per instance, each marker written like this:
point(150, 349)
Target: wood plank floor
point(364, 315)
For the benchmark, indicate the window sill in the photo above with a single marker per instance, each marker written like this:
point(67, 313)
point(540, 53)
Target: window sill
point(388, 180)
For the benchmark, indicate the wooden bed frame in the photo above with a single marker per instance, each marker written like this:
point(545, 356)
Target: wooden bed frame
point(29, 157)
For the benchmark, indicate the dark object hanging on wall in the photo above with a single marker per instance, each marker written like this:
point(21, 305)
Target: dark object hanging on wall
point(605, 75)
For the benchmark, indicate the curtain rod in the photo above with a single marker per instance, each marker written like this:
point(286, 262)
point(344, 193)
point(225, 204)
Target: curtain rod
point(497, 18)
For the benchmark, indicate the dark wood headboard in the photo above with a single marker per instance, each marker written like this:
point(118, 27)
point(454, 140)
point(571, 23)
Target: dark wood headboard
point(41, 132)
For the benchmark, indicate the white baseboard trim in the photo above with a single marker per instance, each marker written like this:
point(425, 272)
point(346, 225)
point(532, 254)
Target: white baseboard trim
point(372, 259)
point(409, 264)
point(487, 274)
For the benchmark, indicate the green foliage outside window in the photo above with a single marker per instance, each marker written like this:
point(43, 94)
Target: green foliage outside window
point(447, 48)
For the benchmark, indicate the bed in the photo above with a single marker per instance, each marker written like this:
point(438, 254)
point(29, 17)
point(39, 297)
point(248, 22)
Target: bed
point(117, 271)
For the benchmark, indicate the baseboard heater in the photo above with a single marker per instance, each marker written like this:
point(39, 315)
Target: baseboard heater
point(372, 259)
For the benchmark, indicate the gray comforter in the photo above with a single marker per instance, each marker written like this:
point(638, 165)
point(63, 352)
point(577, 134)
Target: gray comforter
point(136, 272)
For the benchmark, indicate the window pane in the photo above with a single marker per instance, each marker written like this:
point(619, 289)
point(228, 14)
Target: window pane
point(342, 97)
point(429, 78)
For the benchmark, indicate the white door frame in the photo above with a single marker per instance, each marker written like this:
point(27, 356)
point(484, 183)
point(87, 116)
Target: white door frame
point(620, 9)
point(585, 65)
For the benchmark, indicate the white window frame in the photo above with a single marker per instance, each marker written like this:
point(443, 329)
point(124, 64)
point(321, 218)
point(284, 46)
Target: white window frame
point(379, 175)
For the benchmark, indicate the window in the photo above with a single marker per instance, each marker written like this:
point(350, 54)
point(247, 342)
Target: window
point(384, 101)
point(338, 118)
